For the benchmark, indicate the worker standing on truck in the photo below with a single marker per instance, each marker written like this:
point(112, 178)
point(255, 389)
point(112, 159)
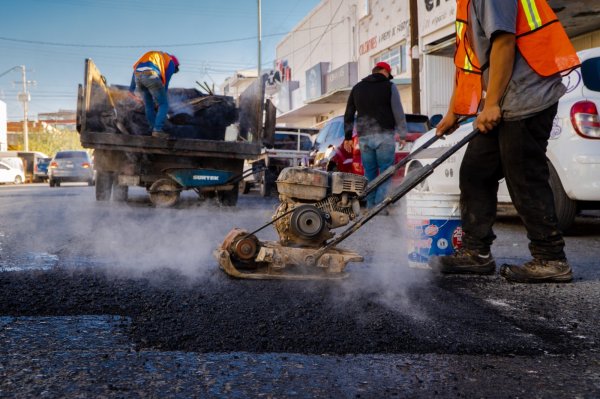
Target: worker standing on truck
point(379, 116)
point(151, 75)
point(520, 49)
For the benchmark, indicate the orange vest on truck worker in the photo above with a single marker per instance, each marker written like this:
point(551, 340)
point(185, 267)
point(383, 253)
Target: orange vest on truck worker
point(160, 62)
point(540, 38)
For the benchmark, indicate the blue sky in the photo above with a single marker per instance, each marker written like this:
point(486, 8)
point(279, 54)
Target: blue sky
point(52, 38)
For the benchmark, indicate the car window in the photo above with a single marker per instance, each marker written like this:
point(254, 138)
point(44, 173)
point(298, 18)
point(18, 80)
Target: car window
point(323, 134)
point(285, 141)
point(337, 132)
point(590, 70)
point(3, 167)
point(417, 127)
point(71, 154)
point(416, 123)
point(305, 143)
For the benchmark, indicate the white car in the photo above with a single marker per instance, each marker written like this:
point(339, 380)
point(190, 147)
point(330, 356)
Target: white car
point(11, 172)
point(573, 149)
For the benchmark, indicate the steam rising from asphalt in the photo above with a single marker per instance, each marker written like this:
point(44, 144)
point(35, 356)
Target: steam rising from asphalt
point(135, 240)
point(385, 276)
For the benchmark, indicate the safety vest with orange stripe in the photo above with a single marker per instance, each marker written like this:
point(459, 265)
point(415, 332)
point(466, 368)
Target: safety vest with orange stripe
point(540, 38)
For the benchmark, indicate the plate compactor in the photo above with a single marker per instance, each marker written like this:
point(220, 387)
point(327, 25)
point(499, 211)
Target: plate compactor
point(312, 204)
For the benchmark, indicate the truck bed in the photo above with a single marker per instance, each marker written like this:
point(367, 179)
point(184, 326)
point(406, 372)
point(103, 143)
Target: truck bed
point(183, 147)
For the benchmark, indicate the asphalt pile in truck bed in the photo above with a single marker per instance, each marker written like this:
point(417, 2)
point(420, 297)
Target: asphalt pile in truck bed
point(192, 115)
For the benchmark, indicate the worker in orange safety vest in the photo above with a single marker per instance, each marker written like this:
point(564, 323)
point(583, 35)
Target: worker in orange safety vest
point(511, 54)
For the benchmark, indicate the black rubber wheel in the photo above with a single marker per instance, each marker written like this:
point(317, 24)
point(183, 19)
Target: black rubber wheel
point(120, 193)
point(229, 198)
point(51, 183)
point(245, 186)
point(104, 182)
point(566, 208)
point(18, 180)
point(266, 183)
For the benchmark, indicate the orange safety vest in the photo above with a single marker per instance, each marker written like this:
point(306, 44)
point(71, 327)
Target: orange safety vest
point(156, 60)
point(541, 40)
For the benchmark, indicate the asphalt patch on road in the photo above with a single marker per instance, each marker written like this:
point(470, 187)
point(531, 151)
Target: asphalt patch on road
point(169, 311)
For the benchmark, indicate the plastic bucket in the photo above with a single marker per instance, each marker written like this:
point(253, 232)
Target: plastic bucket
point(434, 224)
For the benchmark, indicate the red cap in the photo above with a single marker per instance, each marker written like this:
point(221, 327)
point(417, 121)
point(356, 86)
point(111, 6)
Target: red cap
point(384, 65)
point(175, 60)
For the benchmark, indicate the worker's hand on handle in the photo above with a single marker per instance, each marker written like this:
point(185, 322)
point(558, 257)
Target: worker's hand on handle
point(488, 119)
point(447, 125)
point(348, 145)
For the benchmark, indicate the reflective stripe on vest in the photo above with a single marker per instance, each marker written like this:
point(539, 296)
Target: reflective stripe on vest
point(541, 40)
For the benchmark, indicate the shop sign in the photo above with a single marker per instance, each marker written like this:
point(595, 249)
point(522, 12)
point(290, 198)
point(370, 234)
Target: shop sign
point(385, 39)
point(342, 77)
point(435, 14)
point(315, 80)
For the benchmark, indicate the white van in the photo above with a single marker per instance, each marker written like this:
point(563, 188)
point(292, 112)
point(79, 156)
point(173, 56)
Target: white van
point(12, 170)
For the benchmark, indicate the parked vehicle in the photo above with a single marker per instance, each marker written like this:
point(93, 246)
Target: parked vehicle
point(71, 166)
point(195, 156)
point(12, 170)
point(573, 149)
point(291, 147)
point(40, 170)
point(29, 158)
point(331, 155)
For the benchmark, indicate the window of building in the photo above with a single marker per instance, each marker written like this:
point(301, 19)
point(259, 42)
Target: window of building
point(395, 56)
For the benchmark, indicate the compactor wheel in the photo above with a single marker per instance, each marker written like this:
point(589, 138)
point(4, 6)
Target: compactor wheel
point(164, 193)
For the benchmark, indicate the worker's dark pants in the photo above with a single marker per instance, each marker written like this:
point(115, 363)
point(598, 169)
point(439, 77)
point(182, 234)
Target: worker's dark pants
point(515, 150)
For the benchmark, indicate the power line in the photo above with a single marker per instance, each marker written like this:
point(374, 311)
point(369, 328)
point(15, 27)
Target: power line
point(62, 44)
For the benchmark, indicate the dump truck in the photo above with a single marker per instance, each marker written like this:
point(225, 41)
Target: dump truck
point(196, 156)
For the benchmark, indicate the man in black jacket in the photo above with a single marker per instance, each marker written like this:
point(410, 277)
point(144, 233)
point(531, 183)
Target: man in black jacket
point(379, 116)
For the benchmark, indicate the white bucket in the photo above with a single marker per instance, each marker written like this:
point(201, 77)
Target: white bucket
point(434, 224)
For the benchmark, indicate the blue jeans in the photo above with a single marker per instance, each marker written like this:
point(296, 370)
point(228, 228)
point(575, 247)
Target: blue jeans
point(377, 153)
point(153, 92)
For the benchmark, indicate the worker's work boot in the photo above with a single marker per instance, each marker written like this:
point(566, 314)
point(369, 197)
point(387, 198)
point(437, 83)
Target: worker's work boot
point(160, 134)
point(538, 271)
point(464, 261)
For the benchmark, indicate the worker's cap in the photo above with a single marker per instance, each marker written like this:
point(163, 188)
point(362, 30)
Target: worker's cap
point(386, 66)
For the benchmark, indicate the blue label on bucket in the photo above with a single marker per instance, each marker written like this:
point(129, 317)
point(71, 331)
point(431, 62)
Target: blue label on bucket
point(433, 237)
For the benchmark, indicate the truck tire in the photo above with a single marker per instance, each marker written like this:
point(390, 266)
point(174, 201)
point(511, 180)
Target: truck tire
point(120, 193)
point(104, 182)
point(266, 183)
point(565, 207)
point(245, 186)
point(229, 198)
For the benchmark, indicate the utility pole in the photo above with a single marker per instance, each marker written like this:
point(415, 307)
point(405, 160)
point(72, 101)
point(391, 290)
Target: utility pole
point(24, 97)
point(414, 55)
point(25, 100)
point(259, 38)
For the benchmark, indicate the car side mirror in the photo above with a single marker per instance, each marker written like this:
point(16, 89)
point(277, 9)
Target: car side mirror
point(435, 120)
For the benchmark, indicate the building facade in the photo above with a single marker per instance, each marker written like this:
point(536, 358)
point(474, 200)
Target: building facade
point(339, 41)
point(334, 47)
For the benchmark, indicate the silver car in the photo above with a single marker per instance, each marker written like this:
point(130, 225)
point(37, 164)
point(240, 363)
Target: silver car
point(71, 166)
